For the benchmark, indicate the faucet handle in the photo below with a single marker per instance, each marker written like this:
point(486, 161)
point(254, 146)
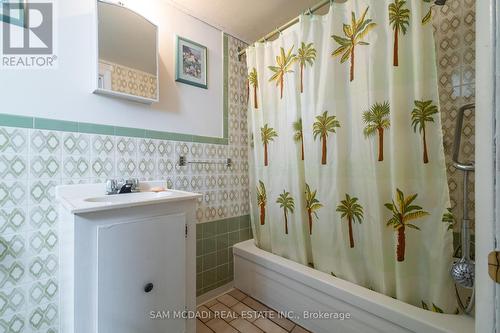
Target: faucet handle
point(111, 186)
point(114, 186)
point(134, 182)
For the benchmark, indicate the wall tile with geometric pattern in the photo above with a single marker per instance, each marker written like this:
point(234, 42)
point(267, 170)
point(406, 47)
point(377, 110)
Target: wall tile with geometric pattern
point(454, 25)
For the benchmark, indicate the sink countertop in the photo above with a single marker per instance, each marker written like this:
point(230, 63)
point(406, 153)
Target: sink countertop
point(88, 198)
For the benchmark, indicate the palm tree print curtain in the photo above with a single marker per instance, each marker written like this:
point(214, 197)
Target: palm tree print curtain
point(347, 163)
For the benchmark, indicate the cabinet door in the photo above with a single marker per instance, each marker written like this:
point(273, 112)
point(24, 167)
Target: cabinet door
point(131, 256)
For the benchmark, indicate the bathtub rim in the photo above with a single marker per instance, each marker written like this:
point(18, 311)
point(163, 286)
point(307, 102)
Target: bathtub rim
point(393, 310)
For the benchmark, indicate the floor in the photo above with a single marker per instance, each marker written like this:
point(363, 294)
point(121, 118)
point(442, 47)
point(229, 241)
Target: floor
point(236, 312)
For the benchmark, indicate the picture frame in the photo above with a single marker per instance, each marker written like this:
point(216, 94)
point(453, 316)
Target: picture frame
point(191, 63)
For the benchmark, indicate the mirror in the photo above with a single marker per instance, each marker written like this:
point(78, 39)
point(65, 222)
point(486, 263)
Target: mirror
point(127, 54)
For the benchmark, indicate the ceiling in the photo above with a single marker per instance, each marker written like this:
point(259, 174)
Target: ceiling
point(247, 20)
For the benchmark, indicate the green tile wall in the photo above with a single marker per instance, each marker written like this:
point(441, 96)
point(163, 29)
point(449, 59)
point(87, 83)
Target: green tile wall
point(214, 251)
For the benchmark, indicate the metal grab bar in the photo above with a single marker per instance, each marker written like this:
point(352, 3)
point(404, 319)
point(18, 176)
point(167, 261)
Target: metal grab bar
point(183, 162)
point(463, 270)
point(458, 138)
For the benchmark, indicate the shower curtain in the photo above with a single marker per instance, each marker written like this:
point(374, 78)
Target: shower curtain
point(346, 160)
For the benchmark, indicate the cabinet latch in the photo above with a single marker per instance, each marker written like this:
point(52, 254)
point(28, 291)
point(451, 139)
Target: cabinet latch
point(186, 232)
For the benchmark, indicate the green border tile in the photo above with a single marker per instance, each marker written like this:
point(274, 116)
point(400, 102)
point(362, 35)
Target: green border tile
point(128, 131)
point(158, 135)
point(55, 125)
point(96, 129)
point(16, 121)
point(181, 137)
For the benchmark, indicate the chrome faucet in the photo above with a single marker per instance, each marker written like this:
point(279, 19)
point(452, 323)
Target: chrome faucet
point(119, 186)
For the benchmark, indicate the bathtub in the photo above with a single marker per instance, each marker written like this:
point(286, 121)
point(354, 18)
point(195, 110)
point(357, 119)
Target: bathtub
point(297, 291)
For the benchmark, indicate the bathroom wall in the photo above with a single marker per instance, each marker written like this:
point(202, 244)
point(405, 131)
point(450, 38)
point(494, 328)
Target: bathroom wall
point(37, 154)
point(65, 93)
point(455, 46)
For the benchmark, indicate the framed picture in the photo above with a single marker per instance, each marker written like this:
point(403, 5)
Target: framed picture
point(191, 63)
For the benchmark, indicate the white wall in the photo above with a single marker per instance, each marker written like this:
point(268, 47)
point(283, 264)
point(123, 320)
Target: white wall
point(66, 92)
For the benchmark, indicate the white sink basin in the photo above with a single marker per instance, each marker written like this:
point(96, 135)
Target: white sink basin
point(87, 198)
point(130, 197)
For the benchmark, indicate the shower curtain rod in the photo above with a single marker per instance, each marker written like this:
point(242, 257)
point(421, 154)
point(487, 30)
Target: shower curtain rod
point(287, 25)
point(309, 11)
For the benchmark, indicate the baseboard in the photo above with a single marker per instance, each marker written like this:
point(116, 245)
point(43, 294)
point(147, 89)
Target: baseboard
point(208, 296)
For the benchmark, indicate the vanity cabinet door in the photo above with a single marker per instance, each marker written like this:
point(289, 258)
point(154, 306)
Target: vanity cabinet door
point(141, 273)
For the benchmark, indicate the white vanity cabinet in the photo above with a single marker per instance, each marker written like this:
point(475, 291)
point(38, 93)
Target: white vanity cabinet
point(141, 267)
point(127, 265)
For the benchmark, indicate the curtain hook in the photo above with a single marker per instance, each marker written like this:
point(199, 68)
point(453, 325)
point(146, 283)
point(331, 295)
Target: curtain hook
point(279, 31)
point(331, 3)
point(309, 11)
